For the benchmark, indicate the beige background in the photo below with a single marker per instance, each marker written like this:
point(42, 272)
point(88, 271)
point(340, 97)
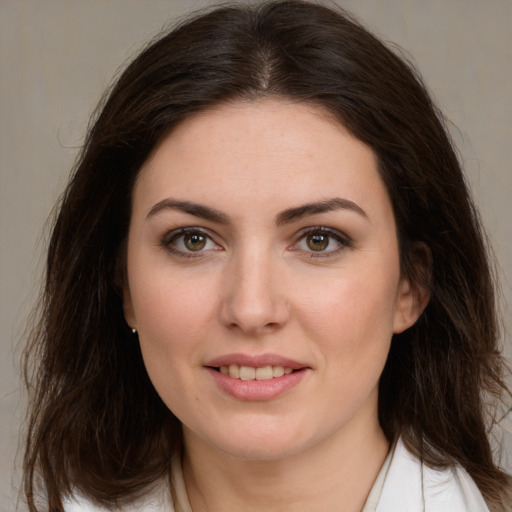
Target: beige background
point(57, 56)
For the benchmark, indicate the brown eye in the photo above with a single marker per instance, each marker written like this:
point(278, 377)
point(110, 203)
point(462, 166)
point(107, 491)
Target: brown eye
point(317, 241)
point(189, 242)
point(194, 241)
point(321, 242)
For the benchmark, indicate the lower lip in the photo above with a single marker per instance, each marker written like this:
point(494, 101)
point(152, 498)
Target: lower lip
point(257, 389)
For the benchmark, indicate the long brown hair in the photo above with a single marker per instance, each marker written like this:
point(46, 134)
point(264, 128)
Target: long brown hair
point(97, 426)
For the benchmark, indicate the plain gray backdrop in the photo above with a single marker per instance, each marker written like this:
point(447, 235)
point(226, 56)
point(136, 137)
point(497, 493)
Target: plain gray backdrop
point(57, 57)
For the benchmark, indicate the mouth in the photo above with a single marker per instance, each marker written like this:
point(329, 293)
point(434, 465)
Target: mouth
point(261, 377)
point(242, 372)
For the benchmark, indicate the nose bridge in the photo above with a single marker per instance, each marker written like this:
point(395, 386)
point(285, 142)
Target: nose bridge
point(253, 300)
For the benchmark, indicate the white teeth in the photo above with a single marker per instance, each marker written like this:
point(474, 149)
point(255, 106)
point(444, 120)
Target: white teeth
point(264, 373)
point(277, 371)
point(247, 373)
point(250, 373)
point(234, 371)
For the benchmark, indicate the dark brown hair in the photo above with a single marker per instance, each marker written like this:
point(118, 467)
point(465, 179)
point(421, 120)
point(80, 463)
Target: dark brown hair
point(97, 425)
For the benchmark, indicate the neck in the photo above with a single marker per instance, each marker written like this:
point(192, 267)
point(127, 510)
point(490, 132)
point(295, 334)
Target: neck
point(339, 470)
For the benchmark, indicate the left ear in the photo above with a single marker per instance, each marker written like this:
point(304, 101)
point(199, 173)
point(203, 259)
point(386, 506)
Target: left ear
point(414, 291)
point(122, 287)
point(128, 311)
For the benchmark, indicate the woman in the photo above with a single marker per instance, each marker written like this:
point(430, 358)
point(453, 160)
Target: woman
point(267, 286)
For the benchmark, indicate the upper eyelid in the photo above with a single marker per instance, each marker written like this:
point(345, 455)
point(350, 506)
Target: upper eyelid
point(189, 229)
point(323, 229)
point(341, 236)
point(171, 235)
point(298, 234)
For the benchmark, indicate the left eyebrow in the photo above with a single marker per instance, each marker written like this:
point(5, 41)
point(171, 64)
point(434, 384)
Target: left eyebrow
point(336, 203)
point(198, 210)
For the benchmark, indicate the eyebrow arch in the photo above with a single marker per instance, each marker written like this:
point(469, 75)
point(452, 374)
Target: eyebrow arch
point(198, 210)
point(336, 203)
point(285, 217)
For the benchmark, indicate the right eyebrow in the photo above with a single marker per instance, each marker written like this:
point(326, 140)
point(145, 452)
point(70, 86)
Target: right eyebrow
point(198, 210)
point(336, 203)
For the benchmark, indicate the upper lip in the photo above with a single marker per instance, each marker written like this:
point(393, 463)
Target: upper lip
point(255, 361)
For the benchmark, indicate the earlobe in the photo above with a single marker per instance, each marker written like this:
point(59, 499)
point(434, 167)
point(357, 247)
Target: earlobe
point(411, 302)
point(121, 284)
point(414, 292)
point(129, 314)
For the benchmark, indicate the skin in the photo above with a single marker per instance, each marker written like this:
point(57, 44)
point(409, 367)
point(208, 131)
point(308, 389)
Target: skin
point(257, 287)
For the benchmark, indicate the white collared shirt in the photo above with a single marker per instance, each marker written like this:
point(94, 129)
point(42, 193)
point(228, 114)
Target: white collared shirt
point(404, 484)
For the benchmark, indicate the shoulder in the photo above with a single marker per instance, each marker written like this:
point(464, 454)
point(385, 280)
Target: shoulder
point(156, 501)
point(81, 504)
point(501, 442)
point(412, 486)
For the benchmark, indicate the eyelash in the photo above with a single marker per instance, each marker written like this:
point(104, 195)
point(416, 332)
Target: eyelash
point(344, 241)
point(341, 239)
point(176, 234)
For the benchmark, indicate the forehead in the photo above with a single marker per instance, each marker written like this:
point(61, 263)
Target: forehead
point(261, 152)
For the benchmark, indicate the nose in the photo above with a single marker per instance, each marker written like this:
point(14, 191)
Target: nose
point(253, 295)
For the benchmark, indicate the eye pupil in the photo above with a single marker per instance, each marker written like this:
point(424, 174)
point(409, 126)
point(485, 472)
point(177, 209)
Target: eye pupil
point(194, 241)
point(317, 241)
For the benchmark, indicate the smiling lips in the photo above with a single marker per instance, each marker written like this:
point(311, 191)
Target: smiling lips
point(258, 378)
point(249, 373)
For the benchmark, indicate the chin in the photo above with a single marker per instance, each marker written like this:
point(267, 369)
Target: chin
point(258, 442)
point(261, 452)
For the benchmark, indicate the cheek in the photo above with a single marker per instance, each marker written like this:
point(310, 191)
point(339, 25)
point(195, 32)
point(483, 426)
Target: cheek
point(171, 302)
point(356, 309)
point(171, 322)
point(172, 315)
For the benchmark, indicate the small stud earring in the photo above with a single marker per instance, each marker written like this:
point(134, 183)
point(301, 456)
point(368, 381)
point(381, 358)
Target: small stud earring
point(134, 331)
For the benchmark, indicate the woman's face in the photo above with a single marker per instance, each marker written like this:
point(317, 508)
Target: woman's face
point(264, 279)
